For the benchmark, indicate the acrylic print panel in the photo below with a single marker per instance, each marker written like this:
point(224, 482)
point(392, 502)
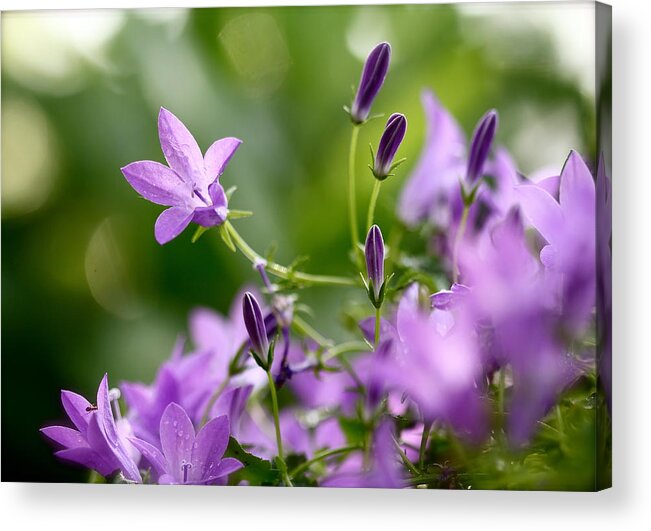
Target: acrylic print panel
point(230, 289)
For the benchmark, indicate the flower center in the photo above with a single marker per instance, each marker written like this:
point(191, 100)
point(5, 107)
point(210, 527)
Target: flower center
point(185, 467)
point(196, 192)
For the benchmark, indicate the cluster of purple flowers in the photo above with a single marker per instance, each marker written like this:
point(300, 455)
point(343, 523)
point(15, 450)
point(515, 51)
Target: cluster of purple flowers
point(483, 359)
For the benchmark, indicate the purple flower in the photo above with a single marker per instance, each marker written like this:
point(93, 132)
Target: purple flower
point(386, 470)
point(374, 253)
point(568, 225)
point(187, 458)
point(480, 146)
point(190, 185)
point(449, 298)
point(256, 328)
point(98, 442)
point(394, 133)
point(437, 369)
point(427, 192)
point(373, 74)
point(188, 380)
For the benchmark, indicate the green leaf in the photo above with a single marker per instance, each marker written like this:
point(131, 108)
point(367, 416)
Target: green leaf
point(256, 471)
point(239, 214)
point(226, 237)
point(198, 233)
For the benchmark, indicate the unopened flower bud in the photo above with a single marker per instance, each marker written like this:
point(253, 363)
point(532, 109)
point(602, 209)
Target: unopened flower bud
point(255, 326)
point(373, 74)
point(392, 137)
point(480, 146)
point(374, 253)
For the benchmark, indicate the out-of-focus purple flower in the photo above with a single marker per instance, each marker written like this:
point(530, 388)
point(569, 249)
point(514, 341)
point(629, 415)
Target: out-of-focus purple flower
point(449, 298)
point(374, 253)
point(426, 194)
point(604, 280)
point(568, 225)
point(373, 74)
point(437, 371)
point(187, 458)
point(189, 185)
point(255, 326)
point(98, 442)
point(480, 145)
point(386, 471)
point(394, 133)
point(512, 296)
point(188, 380)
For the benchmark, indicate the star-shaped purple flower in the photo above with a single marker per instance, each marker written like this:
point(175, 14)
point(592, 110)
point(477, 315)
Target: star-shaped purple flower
point(97, 442)
point(190, 185)
point(187, 458)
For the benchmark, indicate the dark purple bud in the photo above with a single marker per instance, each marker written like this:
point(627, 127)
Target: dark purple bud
point(375, 70)
point(374, 253)
point(480, 146)
point(390, 141)
point(255, 325)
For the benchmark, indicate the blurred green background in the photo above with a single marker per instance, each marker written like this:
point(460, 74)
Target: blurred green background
point(86, 289)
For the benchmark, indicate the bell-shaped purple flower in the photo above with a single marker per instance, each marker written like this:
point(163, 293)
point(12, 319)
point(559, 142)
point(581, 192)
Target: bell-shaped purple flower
point(255, 326)
point(480, 146)
point(375, 70)
point(374, 253)
point(394, 133)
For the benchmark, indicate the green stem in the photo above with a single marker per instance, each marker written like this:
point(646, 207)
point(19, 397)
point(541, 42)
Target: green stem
point(344, 348)
point(378, 324)
point(213, 399)
point(421, 480)
point(427, 426)
point(405, 459)
point(457, 243)
point(559, 421)
point(372, 203)
point(305, 329)
point(282, 271)
point(500, 392)
point(352, 196)
point(279, 441)
point(320, 457)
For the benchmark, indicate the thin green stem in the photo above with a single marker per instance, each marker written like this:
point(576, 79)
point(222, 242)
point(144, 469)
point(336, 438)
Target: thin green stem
point(282, 271)
point(371, 205)
point(323, 455)
point(457, 243)
point(279, 441)
point(378, 324)
point(559, 421)
point(344, 348)
point(500, 392)
point(305, 329)
point(352, 196)
point(405, 459)
point(213, 399)
point(427, 426)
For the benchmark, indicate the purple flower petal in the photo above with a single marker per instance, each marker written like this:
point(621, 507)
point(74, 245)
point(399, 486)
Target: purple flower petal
point(542, 210)
point(88, 458)
point(218, 156)
point(209, 448)
point(224, 468)
point(171, 223)
point(176, 437)
point(577, 188)
point(180, 149)
point(151, 453)
point(66, 437)
point(157, 183)
point(76, 406)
